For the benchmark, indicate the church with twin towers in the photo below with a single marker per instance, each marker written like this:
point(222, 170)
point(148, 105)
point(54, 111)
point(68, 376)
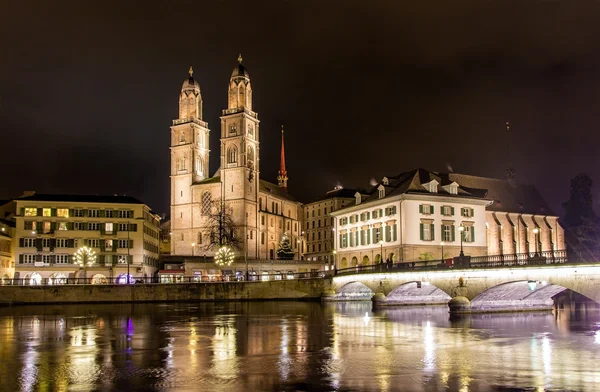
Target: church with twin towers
point(261, 213)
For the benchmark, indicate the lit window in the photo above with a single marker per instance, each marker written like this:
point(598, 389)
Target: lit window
point(30, 211)
point(108, 227)
point(47, 212)
point(47, 227)
point(62, 212)
point(62, 226)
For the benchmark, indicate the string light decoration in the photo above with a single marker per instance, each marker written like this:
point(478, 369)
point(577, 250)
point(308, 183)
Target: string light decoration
point(224, 256)
point(85, 256)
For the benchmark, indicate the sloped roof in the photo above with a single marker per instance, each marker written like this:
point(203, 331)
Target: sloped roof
point(267, 187)
point(342, 193)
point(81, 198)
point(507, 196)
point(209, 180)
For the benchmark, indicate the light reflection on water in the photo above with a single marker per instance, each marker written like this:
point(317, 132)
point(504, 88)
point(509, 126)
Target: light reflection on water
point(263, 346)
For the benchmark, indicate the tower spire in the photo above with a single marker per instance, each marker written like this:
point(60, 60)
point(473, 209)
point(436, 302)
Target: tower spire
point(191, 71)
point(282, 178)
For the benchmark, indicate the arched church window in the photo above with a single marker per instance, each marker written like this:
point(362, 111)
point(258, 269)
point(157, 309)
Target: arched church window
point(232, 154)
point(206, 203)
point(232, 130)
point(199, 165)
point(181, 165)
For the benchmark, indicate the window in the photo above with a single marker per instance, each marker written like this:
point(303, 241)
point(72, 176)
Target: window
point(206, 203)
point(390, 211)
point(28, 259)
point(447, 232)
point(28, 225)
point(62, 226)
point(108, 227)
point(124, 243)
point(447, 210)
point(78, 213)
point(381, 192)
point(93, 213)
point(47, 227)
point(46, 259)
point(79, 226)
point(45, 242)
point(94, 226)
point(122, 259)
point(426, 209)
point(123, 227)
point(62, 259)
point(109, 213)
point(199, 238)
point(47, 212)
point(262, 220)
point(30, 211)
point(125, 214)
point(62, 212)
point(29, 242)
point(232, 154)
point(62, 243)
point(343, 240)
point(377, 235)
point(469, 234)
point(262, 238)
point(427, 231)
point(466, 212)
point(94, 243)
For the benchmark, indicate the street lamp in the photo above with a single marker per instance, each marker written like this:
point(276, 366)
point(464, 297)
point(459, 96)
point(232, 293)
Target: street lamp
point(462, 230)
point(381, 254)
point(442, 244)
point(334, 267)
point(536, 231)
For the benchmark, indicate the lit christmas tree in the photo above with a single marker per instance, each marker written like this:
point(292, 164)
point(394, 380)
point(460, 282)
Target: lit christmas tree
point(285, 251)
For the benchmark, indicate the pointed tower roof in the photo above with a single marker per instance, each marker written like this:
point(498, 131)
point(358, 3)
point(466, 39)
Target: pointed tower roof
point(282, 178)
point(189, 84)
point(240, 70)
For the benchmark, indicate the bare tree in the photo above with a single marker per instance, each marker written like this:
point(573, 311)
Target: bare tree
point(220, 227)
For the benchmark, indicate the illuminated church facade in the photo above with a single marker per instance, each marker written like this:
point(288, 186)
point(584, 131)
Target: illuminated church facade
point(262, 212)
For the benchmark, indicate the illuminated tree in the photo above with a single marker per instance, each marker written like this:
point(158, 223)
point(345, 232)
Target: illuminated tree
point(85, 257)
point(224, 256)
point(285, 251)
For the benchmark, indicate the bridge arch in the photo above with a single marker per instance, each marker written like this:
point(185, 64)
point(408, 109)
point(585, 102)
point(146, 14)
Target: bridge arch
point(416, 293)
point(517, 295)
point(354, 291)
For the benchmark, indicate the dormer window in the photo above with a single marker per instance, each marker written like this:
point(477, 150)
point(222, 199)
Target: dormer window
point(381, 191)
point(385, 181)
point(431, 186)
point(451, 188)
point(358, 197)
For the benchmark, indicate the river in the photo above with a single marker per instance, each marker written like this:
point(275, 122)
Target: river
point(289, 346)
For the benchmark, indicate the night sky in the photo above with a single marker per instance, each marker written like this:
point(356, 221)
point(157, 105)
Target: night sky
point(364, 89)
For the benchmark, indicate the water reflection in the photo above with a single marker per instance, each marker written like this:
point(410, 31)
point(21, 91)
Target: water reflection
point(293, 346)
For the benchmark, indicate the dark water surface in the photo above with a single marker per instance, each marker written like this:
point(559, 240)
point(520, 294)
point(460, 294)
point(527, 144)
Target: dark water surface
point(265, 346)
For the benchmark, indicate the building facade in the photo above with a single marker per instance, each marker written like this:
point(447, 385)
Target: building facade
point(7, 262)
point(50, 229)
point(317, 235)
point(261, 213)
point(423, 215)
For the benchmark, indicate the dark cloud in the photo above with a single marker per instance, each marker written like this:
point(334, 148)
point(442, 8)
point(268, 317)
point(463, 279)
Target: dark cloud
point(365, 89)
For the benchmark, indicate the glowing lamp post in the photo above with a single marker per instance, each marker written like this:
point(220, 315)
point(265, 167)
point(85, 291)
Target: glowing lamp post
point(461, 229)
point(536, 232)
point(85, 257)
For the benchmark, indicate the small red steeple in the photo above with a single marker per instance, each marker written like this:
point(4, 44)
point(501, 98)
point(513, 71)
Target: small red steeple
point(282, 178)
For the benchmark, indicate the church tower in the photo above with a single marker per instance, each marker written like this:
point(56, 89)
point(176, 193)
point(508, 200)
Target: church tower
point(240, 164)
point(189, 162)
point(282, 177)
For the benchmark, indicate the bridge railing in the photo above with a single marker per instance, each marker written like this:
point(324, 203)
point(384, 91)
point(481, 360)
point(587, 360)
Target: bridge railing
point(467, 262)
point(265, 277)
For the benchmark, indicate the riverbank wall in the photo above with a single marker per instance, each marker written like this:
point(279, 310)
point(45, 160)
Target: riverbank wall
point(300, 289)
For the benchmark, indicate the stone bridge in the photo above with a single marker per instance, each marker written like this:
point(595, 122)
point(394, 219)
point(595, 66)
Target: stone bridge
point(471, 290)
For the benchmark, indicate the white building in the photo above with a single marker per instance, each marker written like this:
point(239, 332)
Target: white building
point(262, 212)
point(414, 215)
